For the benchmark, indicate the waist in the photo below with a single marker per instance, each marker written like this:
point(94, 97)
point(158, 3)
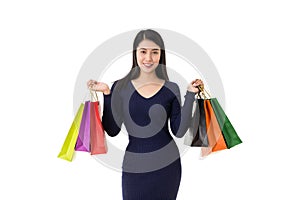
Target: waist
point(143, 145)
point(143, 161)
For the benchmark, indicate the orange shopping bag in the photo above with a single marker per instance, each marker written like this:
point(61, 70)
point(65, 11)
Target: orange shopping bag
point(214, 132)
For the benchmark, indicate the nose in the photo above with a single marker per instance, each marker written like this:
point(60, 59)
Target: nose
point(148, 56)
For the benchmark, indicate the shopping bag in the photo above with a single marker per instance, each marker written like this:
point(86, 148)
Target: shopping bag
point(214, 133)
point(67, 149)
point(229, 133)
point(98, 140)
point(198, 127)
point(83, 139)
point(220, 120)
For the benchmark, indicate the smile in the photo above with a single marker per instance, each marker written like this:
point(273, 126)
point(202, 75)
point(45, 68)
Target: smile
point(148, 65)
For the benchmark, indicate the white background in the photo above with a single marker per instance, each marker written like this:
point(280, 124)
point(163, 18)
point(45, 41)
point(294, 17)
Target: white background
point(254, 45)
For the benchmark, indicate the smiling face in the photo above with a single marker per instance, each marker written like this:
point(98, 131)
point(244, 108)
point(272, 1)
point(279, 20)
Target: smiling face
point(148, 55)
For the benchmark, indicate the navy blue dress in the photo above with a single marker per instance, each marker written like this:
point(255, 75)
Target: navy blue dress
point(151, 168)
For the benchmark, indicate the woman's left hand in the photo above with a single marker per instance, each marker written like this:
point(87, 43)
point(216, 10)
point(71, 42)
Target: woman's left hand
point(193, 86)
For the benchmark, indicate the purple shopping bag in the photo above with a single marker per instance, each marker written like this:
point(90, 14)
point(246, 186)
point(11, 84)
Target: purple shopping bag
point(83, 139)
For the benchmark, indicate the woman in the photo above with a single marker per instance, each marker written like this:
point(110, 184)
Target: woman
point(144, 100)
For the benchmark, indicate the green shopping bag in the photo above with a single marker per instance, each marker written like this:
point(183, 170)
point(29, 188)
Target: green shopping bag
point(230, 136)
point(68, 147)
point(229, 133)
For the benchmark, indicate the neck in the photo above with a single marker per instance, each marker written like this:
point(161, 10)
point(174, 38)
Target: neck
point(147, 76)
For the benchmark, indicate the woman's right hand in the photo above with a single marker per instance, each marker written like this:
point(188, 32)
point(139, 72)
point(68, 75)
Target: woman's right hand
point(98, 86)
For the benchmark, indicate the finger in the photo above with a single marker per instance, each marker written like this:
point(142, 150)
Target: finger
point(89, 82)
point(92, 87)
point(195, 82)
point(199, 81)
point(92, 81)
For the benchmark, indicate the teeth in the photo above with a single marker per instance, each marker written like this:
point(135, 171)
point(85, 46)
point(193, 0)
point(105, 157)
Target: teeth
point(148, 65)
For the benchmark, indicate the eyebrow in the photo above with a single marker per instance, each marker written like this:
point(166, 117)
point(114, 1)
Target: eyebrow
point(148, 48)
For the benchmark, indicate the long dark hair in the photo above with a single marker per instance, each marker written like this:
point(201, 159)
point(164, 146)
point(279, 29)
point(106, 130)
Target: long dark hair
point(161, 70)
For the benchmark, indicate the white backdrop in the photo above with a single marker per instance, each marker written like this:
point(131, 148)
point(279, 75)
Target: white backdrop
point(253, 44)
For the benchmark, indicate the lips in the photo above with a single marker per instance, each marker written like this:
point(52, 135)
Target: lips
point(148, 65)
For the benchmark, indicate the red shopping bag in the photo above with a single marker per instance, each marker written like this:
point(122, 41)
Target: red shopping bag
point(98, 140)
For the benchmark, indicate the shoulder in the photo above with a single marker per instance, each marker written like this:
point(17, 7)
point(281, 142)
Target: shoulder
point(116, 84)
point(113, 85)
point(173, 87)
point(121, 87)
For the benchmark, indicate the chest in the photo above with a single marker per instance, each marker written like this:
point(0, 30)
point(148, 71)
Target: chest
point(144, 110)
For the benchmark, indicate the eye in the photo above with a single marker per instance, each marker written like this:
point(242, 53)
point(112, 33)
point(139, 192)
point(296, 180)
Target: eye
point(155, 52)
point(143, 52)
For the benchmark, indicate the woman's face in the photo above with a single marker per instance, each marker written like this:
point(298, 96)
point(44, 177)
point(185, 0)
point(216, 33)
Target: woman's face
point(148, 55)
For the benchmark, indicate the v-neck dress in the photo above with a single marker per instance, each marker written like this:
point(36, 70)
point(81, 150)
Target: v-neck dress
point(151, 168)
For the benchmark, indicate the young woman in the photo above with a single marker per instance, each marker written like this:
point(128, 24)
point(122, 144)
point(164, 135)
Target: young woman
point(144, 100)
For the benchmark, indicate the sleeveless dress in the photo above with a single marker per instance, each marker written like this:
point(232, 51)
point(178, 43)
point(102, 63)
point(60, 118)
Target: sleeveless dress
point(151, 168)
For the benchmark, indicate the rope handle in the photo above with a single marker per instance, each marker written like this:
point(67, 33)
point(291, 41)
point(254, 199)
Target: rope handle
point(94, 96)
point(203, 91)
